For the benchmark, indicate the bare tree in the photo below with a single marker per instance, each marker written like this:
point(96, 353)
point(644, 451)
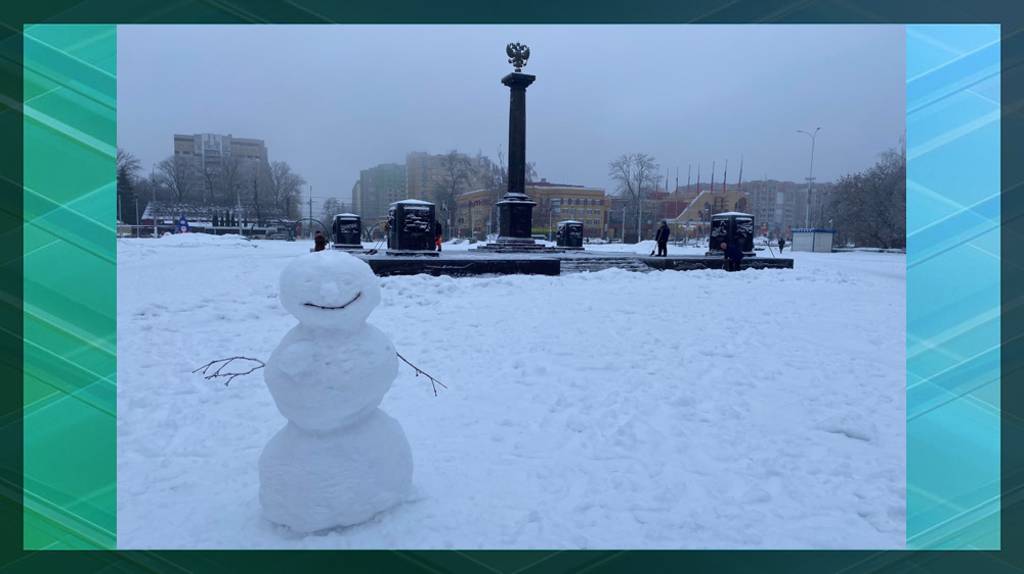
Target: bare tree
point(285, 186)
point(210, 179)
point(331, 208)
point(128, 167)
point(177, 173)
point(128, 163)
point(636, 174)
point(231, 180)
point(455, 175)
point(531, 172)
point(869, 208)
point(260, 185)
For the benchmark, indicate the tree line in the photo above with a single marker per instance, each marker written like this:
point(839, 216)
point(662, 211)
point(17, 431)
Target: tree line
point(869, 208)
point(261, 188)
point(866, 208)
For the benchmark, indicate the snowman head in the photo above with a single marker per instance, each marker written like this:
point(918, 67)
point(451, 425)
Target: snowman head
point(329, 289)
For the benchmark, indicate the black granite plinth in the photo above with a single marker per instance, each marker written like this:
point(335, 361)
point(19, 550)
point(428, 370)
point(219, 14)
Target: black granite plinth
point(347, 229)
point(693, 263)
point(570, 234)
point(464, 266)
point(515, 218)
point(513, 245)
point(729, 227)
point(411, 228)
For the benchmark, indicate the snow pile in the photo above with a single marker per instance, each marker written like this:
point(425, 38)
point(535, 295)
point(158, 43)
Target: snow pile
point(202, 240)
point(697, 409)
point(340, 460)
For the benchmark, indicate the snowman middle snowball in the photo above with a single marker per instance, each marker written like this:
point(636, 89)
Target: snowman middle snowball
point(340, 459)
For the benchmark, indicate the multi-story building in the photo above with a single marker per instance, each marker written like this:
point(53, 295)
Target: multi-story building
point(357, 204)
point(214, 148)
point(208, 154)
point(424, 172)
point(377, 188)
point(555, 202)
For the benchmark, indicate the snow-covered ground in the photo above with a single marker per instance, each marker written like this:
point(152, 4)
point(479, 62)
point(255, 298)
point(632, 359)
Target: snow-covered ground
point(700, 409)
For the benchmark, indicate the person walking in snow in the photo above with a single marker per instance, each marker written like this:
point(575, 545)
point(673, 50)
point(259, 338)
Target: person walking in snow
point(438, 235)
point(319, 242)
point(782, 243)
point(662, 238)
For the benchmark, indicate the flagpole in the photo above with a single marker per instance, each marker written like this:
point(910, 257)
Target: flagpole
point(739, 181)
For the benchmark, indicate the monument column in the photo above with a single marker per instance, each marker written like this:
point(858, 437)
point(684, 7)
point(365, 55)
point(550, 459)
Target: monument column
point(515, 210)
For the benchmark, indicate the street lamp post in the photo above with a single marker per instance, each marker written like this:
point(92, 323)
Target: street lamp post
point(810, 175)
point(549, 220)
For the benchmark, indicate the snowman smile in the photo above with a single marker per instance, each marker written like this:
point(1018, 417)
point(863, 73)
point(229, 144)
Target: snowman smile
point(351, 301)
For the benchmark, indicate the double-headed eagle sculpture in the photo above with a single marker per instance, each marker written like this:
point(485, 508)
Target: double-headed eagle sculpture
point(518, 54)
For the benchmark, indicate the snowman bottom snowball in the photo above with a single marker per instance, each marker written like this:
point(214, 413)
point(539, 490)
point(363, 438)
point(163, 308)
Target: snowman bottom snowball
point(316, 481)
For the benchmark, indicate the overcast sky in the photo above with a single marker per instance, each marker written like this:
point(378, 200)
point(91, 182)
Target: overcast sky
point(331, 100)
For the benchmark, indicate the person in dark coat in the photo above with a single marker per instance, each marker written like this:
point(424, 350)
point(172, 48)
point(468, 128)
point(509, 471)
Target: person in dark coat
point(733, 254)
point(782, 243)
point(319, 242)
point(438, 235)
point(662, 238)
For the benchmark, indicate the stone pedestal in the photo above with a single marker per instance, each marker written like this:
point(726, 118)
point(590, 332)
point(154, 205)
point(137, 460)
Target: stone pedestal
point(729, 227)
point(570, 234)
point(411, 228)
point(347, 229)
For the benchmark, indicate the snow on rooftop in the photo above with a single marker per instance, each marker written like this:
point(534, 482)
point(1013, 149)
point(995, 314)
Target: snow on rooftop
point(732, 213)
point(346, 215)
point(412, 202)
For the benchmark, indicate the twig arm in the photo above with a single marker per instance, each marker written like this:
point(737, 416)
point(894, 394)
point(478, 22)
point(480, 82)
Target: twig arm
point(433, 382)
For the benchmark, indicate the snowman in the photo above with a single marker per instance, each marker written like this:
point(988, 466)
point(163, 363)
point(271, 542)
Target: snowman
point(340, 459)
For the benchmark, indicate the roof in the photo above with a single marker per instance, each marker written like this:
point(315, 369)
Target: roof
point(197, 212)
point(549, 184)
point(412, 202)
point(346, 215)
point(570, 221)
point(731, 214)
point(813, 230)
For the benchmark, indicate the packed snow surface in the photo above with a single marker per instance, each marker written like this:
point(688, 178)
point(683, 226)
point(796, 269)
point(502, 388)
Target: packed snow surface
point(699, 409)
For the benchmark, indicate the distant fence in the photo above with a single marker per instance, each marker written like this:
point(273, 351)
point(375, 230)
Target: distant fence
point(866, 250)
point(267, 232)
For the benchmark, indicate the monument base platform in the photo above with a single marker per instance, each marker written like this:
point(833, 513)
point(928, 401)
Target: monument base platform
point(412, 253)
point(485, 262)
point(517, 246)
point(462, 265)
point(353, 247)
point(695, 262)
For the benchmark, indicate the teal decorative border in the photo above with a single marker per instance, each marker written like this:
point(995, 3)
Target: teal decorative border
point(70, 287)
point(953, 286)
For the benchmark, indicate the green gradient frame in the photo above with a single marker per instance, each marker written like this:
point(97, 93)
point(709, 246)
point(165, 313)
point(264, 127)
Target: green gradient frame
point(952, 334)
point(70, 287)
point(931, 517)
point(953, 290)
